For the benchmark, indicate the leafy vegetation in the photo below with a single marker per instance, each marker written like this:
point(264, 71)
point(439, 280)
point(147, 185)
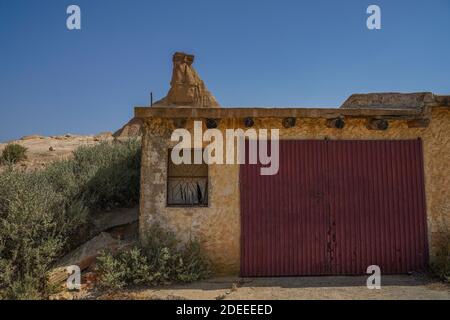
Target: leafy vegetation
point(41, 211)
point(160, 259)
point(440, 267)
point(13, 153)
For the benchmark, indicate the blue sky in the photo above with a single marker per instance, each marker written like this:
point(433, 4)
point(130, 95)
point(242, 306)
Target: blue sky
point(250, 53)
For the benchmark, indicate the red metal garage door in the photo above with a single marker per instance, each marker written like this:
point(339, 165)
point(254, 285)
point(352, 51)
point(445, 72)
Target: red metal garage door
point(335, 207)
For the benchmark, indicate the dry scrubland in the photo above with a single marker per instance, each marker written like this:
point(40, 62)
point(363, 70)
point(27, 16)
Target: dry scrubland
point(56, 199)
point(59, 206)
point(42, 150)
point(46, 212)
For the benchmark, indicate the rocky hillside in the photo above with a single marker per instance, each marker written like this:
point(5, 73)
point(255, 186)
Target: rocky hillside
point(44, 150)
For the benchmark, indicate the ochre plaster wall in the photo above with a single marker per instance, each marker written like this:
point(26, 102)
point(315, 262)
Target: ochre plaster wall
point(217, 227)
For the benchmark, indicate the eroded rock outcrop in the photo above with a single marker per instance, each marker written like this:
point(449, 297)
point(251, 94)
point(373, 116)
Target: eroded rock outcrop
point(186, 87)
point(186, 90)
point(132, 129)
point(389, 100)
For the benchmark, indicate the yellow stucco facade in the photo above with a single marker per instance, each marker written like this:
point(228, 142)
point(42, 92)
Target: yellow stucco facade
point(217, 226)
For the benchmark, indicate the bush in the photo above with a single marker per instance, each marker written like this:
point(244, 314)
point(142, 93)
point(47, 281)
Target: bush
point(104, 176)
point(35, 221)
point(13, 153)
point(41, 212)
point(160, 259)
point(440, 267)
point(109, 174)
point(112, 271)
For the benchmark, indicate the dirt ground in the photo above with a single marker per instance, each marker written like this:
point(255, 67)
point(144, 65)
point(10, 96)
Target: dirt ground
point(300, 288)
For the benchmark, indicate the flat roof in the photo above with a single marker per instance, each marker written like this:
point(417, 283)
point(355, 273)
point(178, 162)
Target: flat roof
point(387, 105)
point(282, 112)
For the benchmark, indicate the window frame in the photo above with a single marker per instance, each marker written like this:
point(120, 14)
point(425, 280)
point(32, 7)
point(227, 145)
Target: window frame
point(169, 160)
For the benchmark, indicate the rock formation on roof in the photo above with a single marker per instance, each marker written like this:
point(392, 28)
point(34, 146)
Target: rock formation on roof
point(186, 87)
point(389, 100)
point(186, 90)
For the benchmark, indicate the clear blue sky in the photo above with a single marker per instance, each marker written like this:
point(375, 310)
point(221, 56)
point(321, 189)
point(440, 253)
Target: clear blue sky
point(250, 53)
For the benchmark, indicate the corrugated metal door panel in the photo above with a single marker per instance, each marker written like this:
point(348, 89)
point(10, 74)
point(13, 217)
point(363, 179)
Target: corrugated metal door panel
point(335, 207)
point(377, 206)
point(284, 218)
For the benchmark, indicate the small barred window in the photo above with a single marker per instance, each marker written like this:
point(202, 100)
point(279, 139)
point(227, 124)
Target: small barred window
point(187, 184)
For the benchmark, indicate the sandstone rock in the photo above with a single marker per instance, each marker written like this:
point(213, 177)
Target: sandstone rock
point(119, 217)
point(86, 254)
point(132, 129)
point(32, 137)
point(125, 232)
point(63, 295)
point(58, 275)
point(186, 87)
point(443, 101)
point(389, 100)
point(51, 149)
point(186, 90)
point(89, 278)
point(103, 136)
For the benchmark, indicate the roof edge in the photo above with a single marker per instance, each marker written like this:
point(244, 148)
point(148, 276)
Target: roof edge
point(327, 113)
point(387, 105)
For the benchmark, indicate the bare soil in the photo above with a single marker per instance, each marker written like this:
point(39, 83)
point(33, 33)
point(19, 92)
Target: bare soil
point(398, 287)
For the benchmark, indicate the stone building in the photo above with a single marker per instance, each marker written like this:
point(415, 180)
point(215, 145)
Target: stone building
point(363, 184)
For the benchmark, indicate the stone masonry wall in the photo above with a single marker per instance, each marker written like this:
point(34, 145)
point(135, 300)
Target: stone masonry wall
point(217, 226)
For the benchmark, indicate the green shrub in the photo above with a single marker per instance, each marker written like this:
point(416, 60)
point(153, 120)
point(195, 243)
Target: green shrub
point(172, 261)
point(61, 175)
point(35, 222)
point(25, 289)
point(137, 270)
point(104, 176)
point(109, 174)
point(440, 267)
point(160, 259)
point(13, 153)
point(42, 212)
point(112, 271)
